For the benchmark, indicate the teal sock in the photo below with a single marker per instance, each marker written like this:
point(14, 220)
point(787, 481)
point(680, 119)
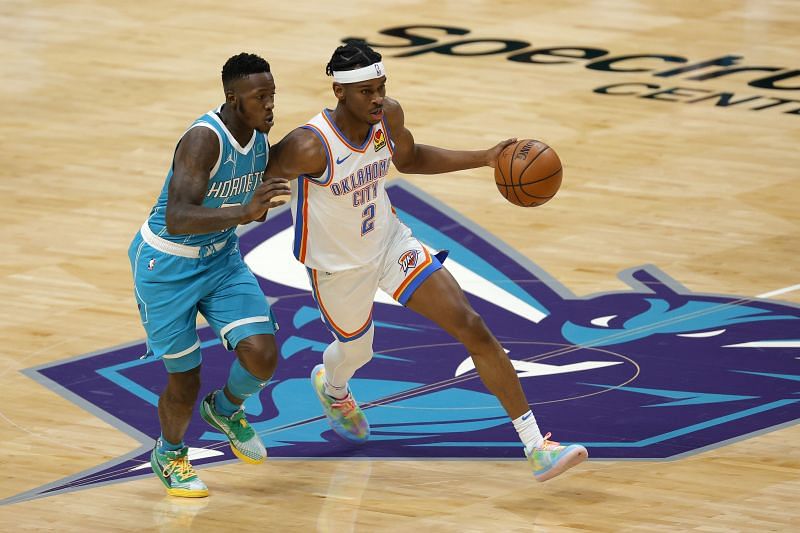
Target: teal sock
point(223, 405)
point(166, 446)
point(242, 383)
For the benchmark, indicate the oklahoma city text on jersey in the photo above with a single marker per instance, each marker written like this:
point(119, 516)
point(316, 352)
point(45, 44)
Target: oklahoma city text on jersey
point(363, 183)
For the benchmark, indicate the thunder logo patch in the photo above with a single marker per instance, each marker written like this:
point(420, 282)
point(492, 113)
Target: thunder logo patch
point(408, 260)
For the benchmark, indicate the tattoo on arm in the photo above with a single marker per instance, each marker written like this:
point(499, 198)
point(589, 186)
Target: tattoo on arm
point(196, 155)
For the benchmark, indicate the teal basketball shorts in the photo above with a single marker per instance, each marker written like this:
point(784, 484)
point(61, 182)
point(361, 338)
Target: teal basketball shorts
point(171, 289)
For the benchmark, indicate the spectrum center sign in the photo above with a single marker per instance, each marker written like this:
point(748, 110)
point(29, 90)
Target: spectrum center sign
point(779, 86)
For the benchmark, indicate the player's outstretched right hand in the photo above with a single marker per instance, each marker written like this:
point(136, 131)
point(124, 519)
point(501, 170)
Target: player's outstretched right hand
point(265, 197)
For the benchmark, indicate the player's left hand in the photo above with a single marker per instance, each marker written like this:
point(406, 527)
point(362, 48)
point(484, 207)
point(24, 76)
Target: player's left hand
point(271, 192)
point(493, 153)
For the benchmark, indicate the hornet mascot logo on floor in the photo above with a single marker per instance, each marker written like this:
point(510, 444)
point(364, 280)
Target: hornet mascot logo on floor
point(651, 372)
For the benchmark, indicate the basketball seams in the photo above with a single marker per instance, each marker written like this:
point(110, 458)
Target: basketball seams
point(537, 196)
point(523, 190)
point(540, 152)
point(511, 171)
point(556, 171)
point(532, 204)
point(500, 168)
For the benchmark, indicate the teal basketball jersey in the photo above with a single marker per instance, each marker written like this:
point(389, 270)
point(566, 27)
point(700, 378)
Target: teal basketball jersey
point(233, 180)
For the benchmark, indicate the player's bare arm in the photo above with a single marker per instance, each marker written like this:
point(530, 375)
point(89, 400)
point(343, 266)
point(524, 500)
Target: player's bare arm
point(196, 155)
point(300, 152)
point(413, 158)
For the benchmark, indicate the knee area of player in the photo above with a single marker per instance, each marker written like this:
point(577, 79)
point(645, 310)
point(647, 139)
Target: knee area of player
point(357, 351)
point(468, 322)
point(259, 358)
point(473, 332)
point(183, 387)
point(263, 366)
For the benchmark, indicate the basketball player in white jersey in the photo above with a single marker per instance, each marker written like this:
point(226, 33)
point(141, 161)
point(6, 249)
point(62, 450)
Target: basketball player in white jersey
point(352, 243)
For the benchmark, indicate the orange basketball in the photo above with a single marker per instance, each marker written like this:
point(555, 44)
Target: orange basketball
point(528, 173)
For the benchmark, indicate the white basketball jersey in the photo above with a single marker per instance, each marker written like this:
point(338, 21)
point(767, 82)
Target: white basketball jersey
point(343, 218)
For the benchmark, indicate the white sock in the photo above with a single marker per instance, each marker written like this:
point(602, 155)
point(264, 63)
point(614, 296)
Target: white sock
point(528, 431)
point(342, 359)
point(339, 393)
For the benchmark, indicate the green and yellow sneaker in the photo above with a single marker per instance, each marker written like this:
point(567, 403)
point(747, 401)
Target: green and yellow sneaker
point(245, 444)
point(551, 458)
point(176, 473)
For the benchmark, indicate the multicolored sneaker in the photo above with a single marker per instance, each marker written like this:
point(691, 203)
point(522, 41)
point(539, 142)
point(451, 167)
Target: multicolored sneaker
point(345, 417)
point(551, 458)
point(245, 443)
point(176, 473)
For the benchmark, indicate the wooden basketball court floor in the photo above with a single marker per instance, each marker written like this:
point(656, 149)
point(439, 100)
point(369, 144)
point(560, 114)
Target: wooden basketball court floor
point(95, 94)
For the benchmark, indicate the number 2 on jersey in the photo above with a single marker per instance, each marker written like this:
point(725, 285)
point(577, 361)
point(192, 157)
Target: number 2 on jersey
point(368, 219)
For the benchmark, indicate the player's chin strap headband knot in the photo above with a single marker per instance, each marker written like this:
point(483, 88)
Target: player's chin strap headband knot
point(370, 72)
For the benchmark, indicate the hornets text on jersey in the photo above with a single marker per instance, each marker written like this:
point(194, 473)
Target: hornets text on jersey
point(234, 178)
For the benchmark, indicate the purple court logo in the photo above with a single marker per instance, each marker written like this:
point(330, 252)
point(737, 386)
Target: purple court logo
point(652, 372)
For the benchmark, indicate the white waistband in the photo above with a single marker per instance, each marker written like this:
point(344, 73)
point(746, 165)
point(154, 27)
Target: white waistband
point(173, 248)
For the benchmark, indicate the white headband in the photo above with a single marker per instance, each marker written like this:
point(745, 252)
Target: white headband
point(371, 72)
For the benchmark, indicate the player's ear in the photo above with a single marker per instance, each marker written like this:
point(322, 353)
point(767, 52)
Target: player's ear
point(338, 90)
point(230, 96)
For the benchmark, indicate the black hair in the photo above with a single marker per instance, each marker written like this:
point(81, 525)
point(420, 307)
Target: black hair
point(355, 54)
point(241, 66)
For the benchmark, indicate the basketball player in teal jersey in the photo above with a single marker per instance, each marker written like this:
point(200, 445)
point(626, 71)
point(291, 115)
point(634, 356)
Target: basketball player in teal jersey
point(186, 259)
point(351, 242)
